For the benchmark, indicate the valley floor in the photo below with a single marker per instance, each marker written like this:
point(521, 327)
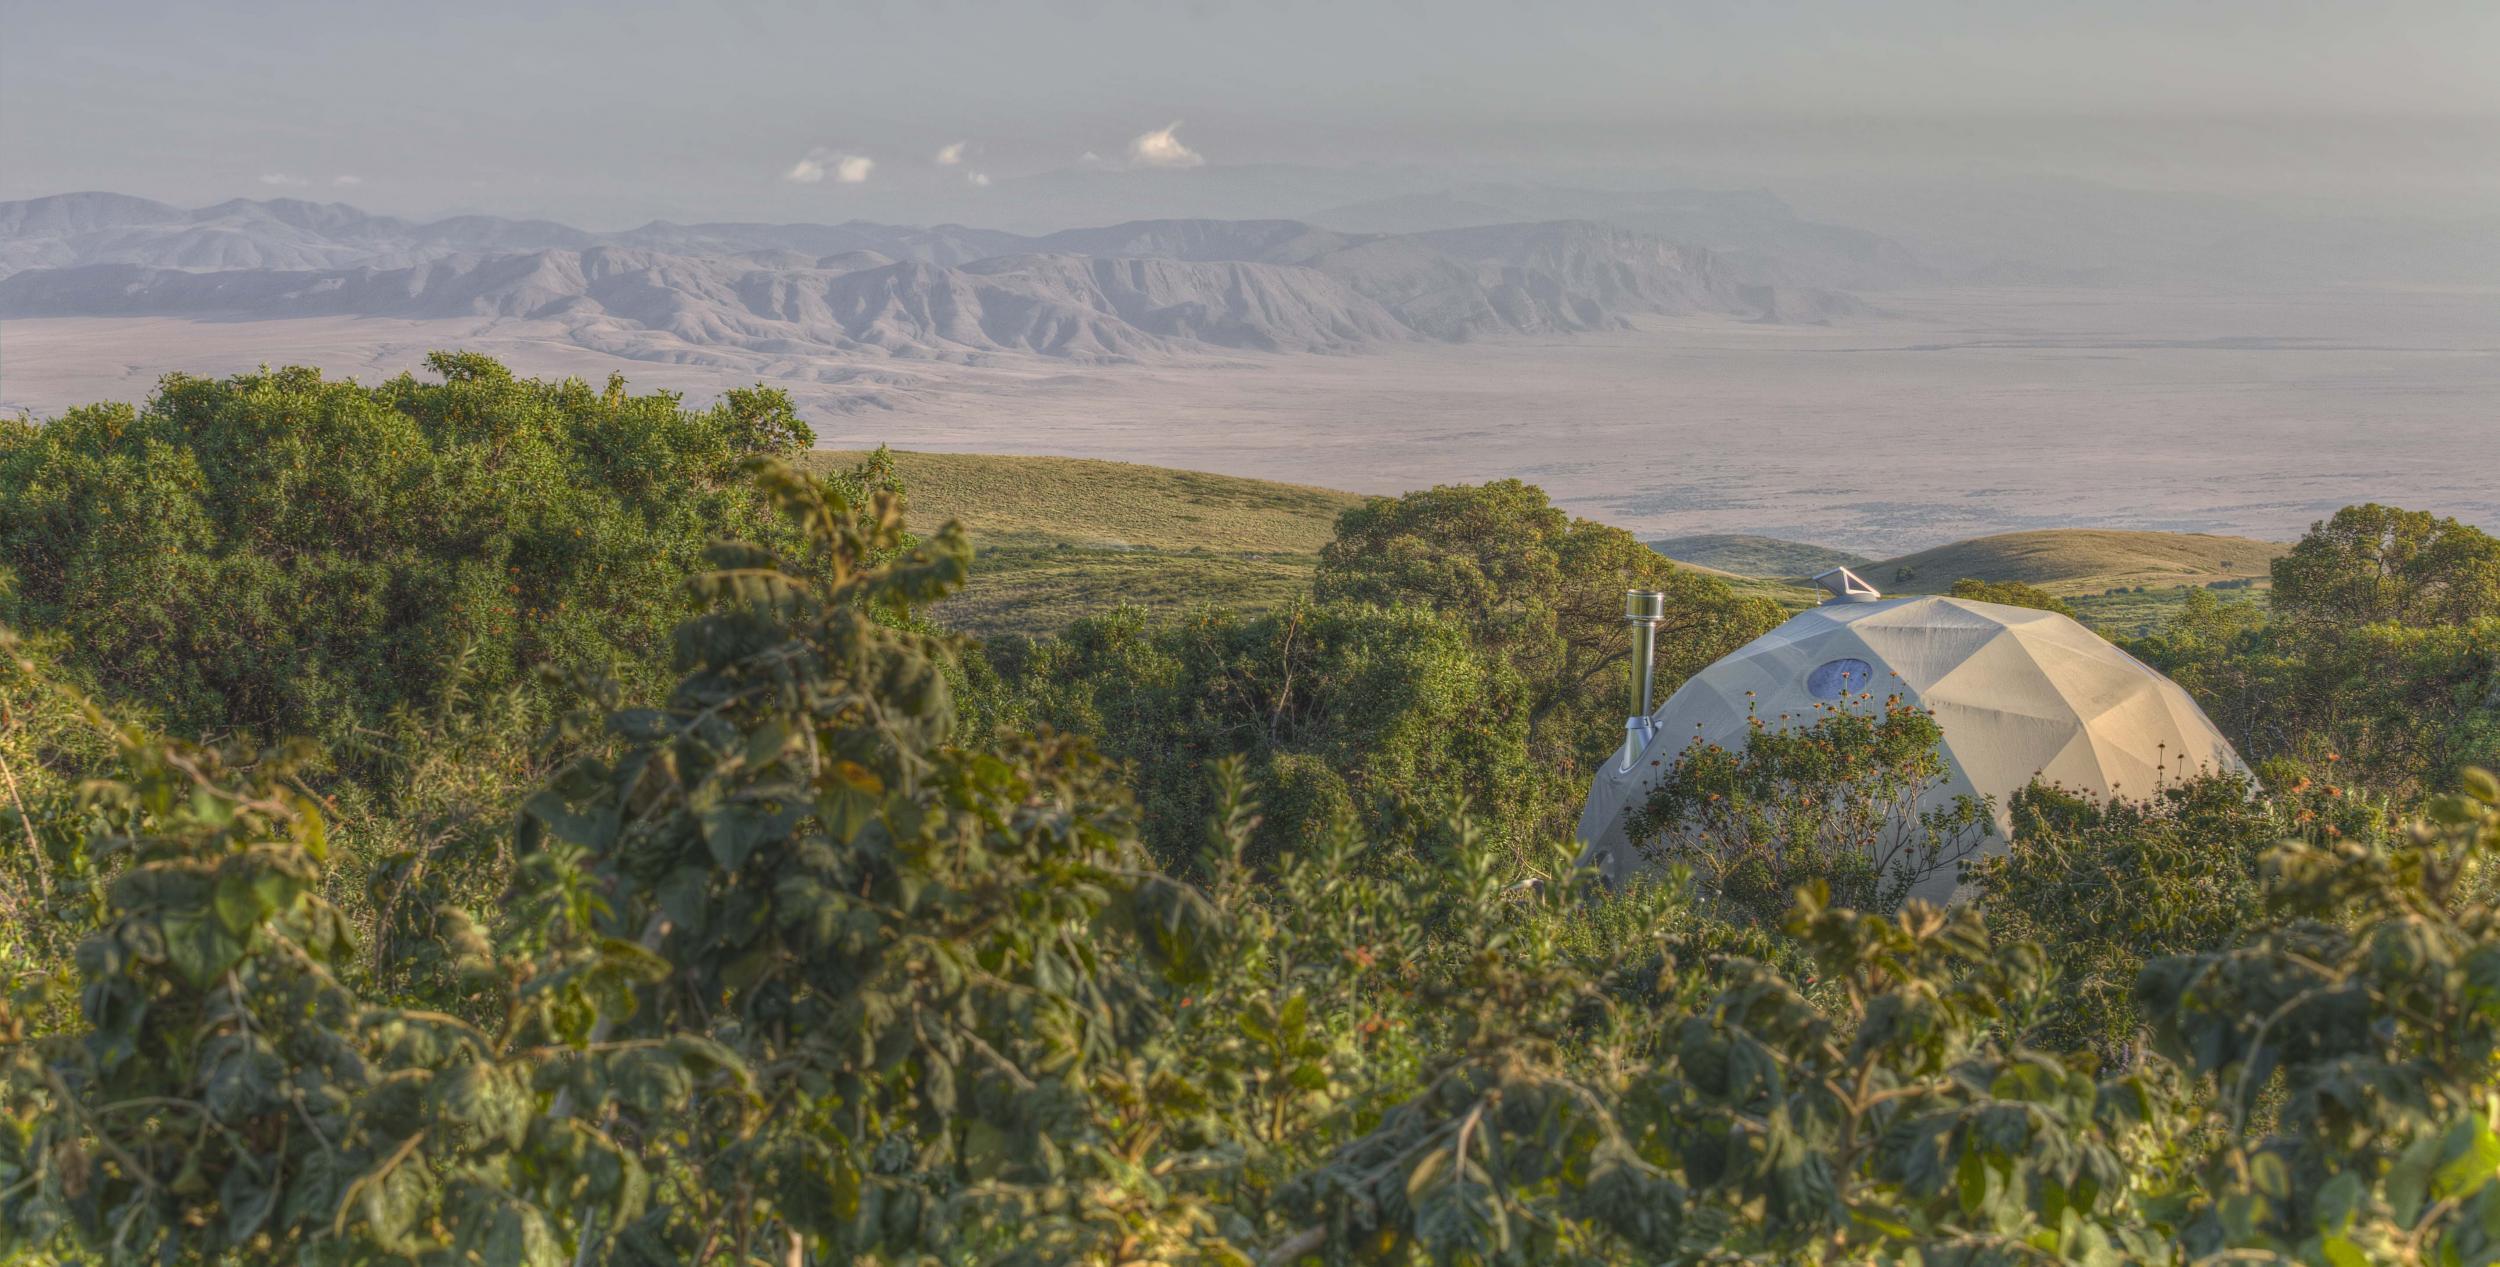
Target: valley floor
point(1955, 413)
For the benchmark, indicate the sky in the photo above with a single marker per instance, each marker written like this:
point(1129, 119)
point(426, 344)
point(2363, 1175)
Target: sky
point(608, 114)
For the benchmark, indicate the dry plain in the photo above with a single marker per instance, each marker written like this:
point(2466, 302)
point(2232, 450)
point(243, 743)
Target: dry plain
point(1951, 413)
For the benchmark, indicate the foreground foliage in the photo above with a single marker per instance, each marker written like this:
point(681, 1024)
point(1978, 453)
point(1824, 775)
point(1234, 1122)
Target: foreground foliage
point(788, 969)
point(1847, 802)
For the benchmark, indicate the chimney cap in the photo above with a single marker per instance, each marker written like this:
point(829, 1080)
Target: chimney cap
point(1845, 586)
point(1649, 606)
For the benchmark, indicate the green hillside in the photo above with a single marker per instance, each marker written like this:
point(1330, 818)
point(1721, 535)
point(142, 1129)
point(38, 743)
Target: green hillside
point(1050, 500)
point(2078, 561)
point(1058, 537)
point(1749, 555)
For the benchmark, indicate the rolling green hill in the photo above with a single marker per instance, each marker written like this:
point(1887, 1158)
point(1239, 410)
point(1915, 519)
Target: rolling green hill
point(1059, 537)
point(1047, 500)
point(2078, 561)
point(1748, 555)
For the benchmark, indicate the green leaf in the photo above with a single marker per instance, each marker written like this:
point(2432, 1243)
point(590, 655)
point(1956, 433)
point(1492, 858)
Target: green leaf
point(2480, 784)
point(247, 1201)
point(238, 906)
point(198, 947)
point(484, 1099)
point(2338, 1200)
point(2409, 1178)
point(1971, 1181)
point(2471, 1155)
point(2268, 1175)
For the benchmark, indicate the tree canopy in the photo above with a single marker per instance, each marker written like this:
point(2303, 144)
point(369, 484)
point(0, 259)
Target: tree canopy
point(2373, 564)
point(1543, 592)
point(278, 553)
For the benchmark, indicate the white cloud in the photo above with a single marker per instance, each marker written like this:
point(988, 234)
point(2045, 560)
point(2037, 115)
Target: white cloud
point(850, 169)
point(950, 155)
point(980, 180)
point(347, 180)
point(1160, 148)
point(281, 178)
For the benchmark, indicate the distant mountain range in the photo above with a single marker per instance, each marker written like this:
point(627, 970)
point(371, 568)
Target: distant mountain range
point(765, 294)
point(1752, 231)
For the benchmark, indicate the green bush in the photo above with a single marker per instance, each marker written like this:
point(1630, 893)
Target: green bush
point(2395, 709)
point(1392, 717)
point(276, 554)
point(2105, 886)
point(1841, 803)
point(1540, 593)
point(1464, 645)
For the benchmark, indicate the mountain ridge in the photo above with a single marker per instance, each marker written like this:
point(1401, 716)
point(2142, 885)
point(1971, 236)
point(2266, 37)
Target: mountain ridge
point(749, 293)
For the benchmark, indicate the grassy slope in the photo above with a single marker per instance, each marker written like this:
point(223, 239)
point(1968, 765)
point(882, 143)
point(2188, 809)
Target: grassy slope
point(2129, 615)
point(1748, 555)
point(1059, 537)
point(2078, 561)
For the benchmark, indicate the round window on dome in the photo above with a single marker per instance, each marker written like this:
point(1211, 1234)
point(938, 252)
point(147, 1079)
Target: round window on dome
point(1833, 679)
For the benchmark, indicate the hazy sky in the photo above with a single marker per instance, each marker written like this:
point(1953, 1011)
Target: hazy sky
point(610, 113)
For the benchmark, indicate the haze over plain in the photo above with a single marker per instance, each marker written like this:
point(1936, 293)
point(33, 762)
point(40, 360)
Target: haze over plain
point(1874, 275)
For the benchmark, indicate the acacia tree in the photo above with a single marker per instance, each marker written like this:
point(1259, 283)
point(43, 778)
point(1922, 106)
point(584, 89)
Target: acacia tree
point(2371, 564)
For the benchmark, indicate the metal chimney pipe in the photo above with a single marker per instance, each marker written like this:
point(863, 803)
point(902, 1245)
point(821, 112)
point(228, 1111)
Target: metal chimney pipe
point(1643, 610)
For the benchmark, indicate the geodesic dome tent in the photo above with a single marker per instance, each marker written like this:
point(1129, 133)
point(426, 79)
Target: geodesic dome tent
point(2018, 694)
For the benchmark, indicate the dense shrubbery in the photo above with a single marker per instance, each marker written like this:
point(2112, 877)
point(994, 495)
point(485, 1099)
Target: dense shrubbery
point(786, 964)
point(2103, 887)
point(1463, 645)
point(2378, 669)
point(1844, 803)
point(276, 554)
point(792, 976)
point(1541, 592)
point(1346, 713)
